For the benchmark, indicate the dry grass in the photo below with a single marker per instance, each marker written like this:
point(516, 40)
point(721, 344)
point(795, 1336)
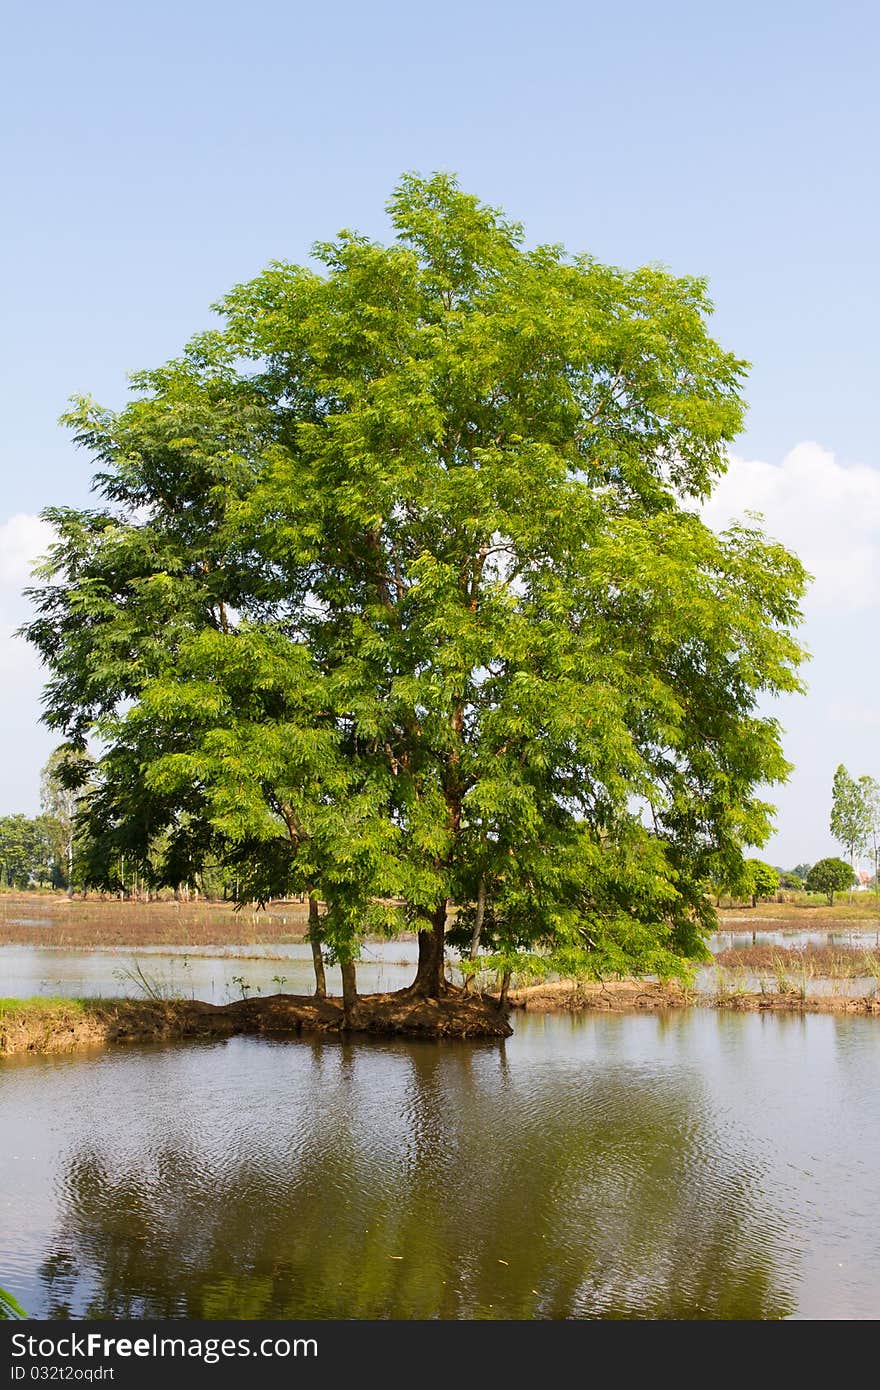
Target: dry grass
point(49, 920)
point(863, 912)
point(817, 962)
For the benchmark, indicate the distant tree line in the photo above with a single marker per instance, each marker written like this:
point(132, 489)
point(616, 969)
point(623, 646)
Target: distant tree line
point(60, 849)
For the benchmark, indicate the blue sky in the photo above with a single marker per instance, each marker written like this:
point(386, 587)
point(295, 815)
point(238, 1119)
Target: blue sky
point(153, 156)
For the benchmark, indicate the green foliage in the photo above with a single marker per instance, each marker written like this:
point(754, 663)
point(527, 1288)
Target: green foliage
point(63, 784)
point(26, 851)
point(763, 880)
point(850, 818)
point(830, 876)
point(869, 789)
point(395, 590)
point(792, 880)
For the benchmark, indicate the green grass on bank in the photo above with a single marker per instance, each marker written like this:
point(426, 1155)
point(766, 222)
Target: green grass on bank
point(32, 1024)
point(51, 1023)
point(42, 1004)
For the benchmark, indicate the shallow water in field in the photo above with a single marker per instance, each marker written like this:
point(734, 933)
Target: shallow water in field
point(862, 937)
point(193, 972)
point(221, 974)
point(695, 1164)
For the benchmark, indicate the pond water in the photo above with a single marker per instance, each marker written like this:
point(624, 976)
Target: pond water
point(219, 976)
point(194, 972)
point(863, 937)
point(697, 1164)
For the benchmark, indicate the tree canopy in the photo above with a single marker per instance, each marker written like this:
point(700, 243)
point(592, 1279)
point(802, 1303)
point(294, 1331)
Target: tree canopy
point(763, 880)
point(870, 794)
point(830, 876)
point(397, 593)
point(850, 814)
point(25, 851)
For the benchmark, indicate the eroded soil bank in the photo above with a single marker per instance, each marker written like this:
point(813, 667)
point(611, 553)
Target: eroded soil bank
point(624, 996)
point(57, 1025)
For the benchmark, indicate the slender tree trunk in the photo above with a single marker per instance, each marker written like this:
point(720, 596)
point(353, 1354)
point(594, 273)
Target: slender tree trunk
point(317, 957)
point(430, 979)
point(349, 988)
point(505, 986)
point(478, 927)
point(478, 919)
point(852, 865)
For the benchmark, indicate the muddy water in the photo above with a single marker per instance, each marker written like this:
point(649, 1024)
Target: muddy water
point(865, 937)
point(697, 1165)
point(193, 972)
point(219, 976)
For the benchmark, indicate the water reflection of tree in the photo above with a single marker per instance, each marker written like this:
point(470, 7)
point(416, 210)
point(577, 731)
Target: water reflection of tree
point(421, 1183)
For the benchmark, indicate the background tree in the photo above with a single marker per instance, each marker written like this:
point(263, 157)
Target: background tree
point(792, 879)
point(63, 782)
point(870, 792)
point(763, 880)
point(396, 594)
point(830, 876)
point(850, 819)
point(21, 853)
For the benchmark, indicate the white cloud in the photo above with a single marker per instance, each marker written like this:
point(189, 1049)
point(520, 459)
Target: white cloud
point(828, 514)
point(23, 539)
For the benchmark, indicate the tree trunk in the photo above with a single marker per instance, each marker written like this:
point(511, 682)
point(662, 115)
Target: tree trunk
point(430, 979)
point(505, 986)
point(478, 919)
point(317, 957)
point(349, 988)
point(478, 928)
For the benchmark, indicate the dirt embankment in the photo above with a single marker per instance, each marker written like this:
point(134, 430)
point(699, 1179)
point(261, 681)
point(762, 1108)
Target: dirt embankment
point(628, 996)
point(35, 1025)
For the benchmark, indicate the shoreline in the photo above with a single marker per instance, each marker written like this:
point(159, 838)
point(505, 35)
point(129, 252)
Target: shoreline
point(632, 996)
point(40, 1026)
point(60, 1025)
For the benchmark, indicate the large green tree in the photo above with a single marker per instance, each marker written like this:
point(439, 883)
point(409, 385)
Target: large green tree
point(398, 594)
